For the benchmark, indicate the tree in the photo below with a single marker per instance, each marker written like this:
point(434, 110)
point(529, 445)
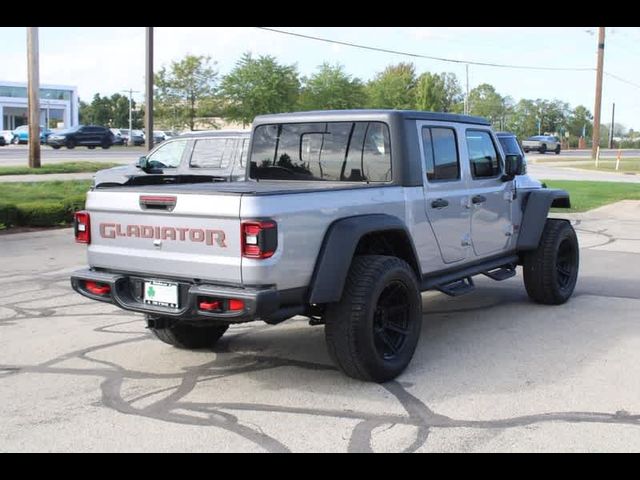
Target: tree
point(438, 92)
point(580, 122)
point(184, 86)
point(485, 102)
point(523, 119)
point(393, 87)
point(332, 89)
point(109, 111)
point(259, 86)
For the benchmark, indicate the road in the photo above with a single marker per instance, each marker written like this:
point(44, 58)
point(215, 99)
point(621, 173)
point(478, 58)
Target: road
point(492, 371)
point(546, 171)
point(19, 155)
point(604, 153)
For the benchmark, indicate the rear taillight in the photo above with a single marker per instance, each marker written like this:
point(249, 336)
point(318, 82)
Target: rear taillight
point(259, 239)
point(82, 227)
point(97, 288)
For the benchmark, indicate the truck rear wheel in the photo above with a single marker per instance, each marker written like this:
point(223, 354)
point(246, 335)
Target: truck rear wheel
point(373, 331)
point(186, 336)
point(551, 271)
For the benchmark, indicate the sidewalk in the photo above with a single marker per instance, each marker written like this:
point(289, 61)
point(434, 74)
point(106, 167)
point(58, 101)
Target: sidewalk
point(48, 177)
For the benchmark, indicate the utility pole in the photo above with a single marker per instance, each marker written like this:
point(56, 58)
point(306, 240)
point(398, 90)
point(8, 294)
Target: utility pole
point(613, 117)
point(148, 117)
point(598, 105)
point(466, 98)
point(34, 97)
point(130, 92)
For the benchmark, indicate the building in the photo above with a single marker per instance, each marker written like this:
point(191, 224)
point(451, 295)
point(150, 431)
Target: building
point(58, 105)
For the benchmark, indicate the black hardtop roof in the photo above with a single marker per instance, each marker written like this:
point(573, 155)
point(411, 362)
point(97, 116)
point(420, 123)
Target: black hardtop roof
point(365, 114)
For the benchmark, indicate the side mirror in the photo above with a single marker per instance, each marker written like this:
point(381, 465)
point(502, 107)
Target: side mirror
point(142, 163)
point(513, 165)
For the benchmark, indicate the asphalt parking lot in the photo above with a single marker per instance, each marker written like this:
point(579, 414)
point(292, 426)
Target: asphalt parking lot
point(492, 372)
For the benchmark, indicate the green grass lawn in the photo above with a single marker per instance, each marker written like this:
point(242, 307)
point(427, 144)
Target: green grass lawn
point(21, 192)
point(68, 167)
point(588, 195)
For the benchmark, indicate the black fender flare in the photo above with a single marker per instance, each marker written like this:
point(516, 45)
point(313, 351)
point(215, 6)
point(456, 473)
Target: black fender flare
point(534, 216)
point(338, 248)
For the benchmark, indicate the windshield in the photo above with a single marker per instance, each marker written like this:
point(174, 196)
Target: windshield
point(333, 151)
point(510, 145)
point(168, 155)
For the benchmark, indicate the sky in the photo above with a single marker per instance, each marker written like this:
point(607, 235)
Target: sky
point(107, 60)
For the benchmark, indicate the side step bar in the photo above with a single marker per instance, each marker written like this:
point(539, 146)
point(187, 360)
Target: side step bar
point(458, 282)
point(457, 288)
point(500, 273)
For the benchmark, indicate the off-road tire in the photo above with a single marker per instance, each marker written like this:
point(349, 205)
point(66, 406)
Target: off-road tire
point(186, 336)
point(551, 271)
point(353, 341)
point(543, 148)
point(557, 150)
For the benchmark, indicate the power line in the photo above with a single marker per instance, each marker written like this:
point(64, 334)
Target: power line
point(442, 59)
point(622, 79)
point(428, 57)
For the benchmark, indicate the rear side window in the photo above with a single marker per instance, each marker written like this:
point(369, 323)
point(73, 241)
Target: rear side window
point(483, 156)
point(213, 152)
point(332, 151)
point(441, 154)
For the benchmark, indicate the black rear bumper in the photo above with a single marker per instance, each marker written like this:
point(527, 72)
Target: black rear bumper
point(125, 292)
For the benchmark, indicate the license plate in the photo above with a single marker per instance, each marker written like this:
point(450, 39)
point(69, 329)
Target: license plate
point(164, 294)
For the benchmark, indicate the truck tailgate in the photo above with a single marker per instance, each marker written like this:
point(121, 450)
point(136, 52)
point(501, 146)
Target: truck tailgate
point(193, 236)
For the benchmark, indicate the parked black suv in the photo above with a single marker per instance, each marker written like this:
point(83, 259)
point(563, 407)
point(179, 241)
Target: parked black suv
point(90, 136)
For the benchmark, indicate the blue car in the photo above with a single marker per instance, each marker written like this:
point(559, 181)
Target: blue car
point(21, 134)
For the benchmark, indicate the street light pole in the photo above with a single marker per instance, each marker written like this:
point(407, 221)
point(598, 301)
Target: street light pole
point(130, 92)
point(34, 94)
point(598, 105)
point(613, 118)
point(148, 117)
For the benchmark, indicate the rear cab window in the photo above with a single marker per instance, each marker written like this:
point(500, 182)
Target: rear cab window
point(327, 151)
point(214, 153)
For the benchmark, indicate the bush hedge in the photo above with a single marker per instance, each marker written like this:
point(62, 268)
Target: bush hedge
point(40, 213)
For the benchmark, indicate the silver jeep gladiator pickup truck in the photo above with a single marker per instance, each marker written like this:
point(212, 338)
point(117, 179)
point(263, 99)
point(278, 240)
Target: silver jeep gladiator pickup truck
point(346, 217)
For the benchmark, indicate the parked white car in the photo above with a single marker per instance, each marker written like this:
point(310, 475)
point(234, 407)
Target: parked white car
point(7, 135)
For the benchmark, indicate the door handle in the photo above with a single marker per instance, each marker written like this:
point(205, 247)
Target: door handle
point(439, 203)
point(478, 199)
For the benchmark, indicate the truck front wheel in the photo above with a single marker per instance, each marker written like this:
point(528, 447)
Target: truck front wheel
point(551, 270)
point(373, 331)
point(187, 336)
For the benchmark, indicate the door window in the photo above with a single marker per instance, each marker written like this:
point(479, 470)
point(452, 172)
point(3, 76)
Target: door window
point(483, 155)
point(441, 154)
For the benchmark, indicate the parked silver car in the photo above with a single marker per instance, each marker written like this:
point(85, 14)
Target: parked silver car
point(542, 144)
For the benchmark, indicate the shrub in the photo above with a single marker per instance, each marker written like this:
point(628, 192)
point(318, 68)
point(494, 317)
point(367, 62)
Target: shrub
point(8, 214)
point(43, 213)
